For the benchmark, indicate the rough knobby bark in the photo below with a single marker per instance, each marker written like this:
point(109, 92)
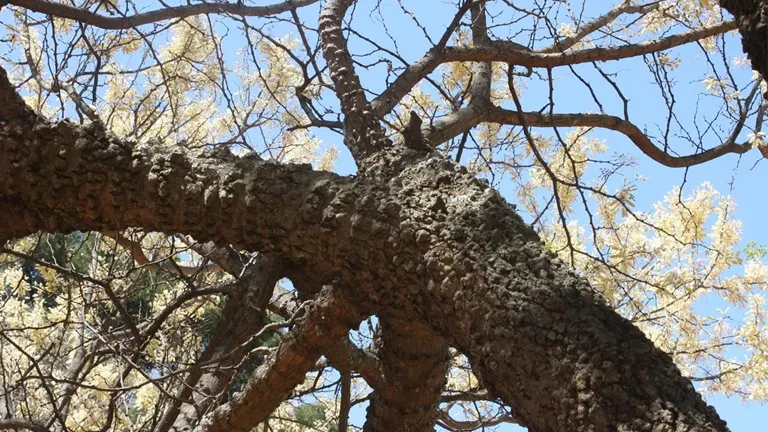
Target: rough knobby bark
point(242, 317)
point(414, 239)
point(425, 239)
point(752, 17)
point(414, 363)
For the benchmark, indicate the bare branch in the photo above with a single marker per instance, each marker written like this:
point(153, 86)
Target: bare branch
point(469, 117)
point(515, 54)
point(627, 7)
point(502, 51)
point(390, 97)
point(131, 21)
point(638, 137)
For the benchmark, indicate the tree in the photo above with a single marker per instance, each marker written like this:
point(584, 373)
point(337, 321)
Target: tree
point(184, 193)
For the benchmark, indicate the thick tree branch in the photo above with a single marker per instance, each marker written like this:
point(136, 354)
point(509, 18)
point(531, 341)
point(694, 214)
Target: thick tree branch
point(243, 316)
point(120, 185)
point(752, 17)
point(414, 363)
point(515, 54)
point(362, 132)
point(174, 12)
point(345, 355)
point(341, 354)
point(526, 320)
point(328, 318)
point(418, 237)
point(455, 123)
point(480, 87)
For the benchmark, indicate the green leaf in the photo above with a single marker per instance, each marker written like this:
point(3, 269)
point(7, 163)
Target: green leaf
point(309, 414)
point(755, 251)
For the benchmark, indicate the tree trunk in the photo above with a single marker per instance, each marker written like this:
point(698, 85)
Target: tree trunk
point(752, 16)
point(414, 363)
point(414, 236)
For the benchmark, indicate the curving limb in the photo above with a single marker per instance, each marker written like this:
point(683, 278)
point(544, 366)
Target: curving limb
point(470, 116)
point(174, 12)
point(637, 136)
point(327, 319)
point(515, 54)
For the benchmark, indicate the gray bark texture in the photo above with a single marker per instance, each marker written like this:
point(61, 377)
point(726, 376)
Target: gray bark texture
point(752, 17)
point(414, 362)
point(243, 316)
point(414, 238)
point(435, 253)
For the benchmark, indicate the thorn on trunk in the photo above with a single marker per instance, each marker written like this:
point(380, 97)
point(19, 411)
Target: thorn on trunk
point(412, 136)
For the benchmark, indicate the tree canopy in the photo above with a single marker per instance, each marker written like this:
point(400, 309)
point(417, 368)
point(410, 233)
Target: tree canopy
point(248, 216)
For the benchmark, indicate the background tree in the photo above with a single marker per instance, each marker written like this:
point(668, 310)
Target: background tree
point(144, 240)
